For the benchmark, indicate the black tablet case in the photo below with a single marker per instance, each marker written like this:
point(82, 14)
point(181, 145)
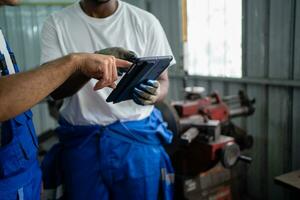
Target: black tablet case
point(143, 69)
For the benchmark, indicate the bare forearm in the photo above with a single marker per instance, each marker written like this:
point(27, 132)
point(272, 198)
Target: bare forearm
point(22, 91)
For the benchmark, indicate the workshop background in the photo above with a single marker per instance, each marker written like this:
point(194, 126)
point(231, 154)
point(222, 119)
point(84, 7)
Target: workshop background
point(270, 73)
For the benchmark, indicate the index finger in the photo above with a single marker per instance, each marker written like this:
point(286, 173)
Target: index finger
point(123, 63)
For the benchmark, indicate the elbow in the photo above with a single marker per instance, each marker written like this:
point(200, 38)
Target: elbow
point(4, 115)
point(6, 109)
point(3, 108)
point(2, 119)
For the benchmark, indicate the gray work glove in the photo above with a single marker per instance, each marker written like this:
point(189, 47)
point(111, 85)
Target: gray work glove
point(120, 53)
point(147, 93)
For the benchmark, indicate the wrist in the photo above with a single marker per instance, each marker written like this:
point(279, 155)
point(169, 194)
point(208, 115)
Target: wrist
point(75, 61)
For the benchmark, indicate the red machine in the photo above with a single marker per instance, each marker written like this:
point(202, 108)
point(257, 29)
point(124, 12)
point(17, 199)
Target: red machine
point(205, 133)
point(212, 107)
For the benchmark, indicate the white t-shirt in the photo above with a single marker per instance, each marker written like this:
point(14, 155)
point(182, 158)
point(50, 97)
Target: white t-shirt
point(71, 30)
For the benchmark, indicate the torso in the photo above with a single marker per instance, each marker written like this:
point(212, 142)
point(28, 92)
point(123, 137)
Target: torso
point(77, 32)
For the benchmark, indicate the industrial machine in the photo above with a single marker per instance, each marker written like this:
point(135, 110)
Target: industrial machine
point(204, 134)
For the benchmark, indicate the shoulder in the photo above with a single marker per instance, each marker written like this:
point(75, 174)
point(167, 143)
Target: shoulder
point(62, 16)
point(139, 16)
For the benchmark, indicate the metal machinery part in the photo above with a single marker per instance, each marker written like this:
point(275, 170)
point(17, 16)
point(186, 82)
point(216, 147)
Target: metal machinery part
point(230, 154)
point(244, 140)
point(193, 93)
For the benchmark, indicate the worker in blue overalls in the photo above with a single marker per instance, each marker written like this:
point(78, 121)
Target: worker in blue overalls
point(20, 176)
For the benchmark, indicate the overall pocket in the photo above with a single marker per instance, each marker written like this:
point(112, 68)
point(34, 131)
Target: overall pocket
point(21, 152)
point(27, 147)
point(9, 159)
point(25, 121)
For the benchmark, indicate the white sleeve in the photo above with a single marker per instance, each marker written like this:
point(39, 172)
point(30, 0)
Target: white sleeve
point(157, 42)
point(50, 46)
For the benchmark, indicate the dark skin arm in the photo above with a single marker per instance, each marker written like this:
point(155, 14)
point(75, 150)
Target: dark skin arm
point(70, 86)
point(164, 86)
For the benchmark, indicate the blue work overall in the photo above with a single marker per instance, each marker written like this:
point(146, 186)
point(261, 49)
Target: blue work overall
point(121, 161)
point(20, 175)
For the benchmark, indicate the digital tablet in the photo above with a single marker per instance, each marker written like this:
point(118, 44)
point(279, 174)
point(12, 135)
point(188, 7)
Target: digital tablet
point(143, 69)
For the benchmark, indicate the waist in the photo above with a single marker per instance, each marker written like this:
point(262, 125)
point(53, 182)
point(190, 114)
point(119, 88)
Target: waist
point(101, 113)
point(101, 120)
point(151, 130)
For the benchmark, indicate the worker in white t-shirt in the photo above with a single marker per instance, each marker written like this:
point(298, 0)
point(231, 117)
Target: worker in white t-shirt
point(20, 174)
point(108, 151)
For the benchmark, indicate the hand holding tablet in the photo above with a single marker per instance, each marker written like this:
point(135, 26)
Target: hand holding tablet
point(142, 70)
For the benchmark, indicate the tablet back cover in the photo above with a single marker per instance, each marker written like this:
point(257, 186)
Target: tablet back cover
point(148, 68)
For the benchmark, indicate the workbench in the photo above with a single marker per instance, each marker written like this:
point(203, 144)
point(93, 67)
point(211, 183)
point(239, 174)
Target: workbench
point(290, 180)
